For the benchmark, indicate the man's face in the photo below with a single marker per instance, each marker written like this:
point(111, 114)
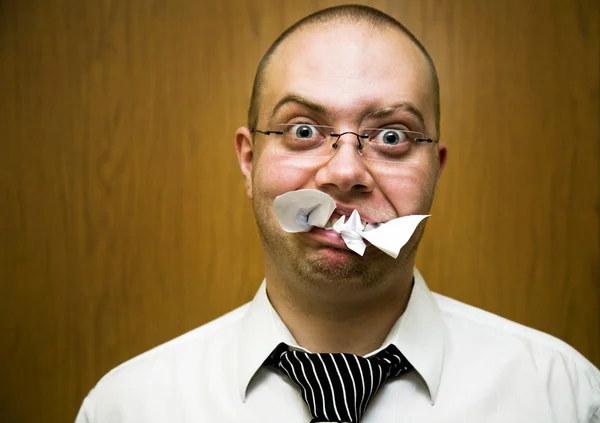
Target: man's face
point(336, 76)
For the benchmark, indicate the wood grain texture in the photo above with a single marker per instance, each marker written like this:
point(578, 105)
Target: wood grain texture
point(123, 220)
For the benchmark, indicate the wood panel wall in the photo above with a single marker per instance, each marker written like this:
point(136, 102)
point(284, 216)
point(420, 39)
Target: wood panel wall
point(123, 220)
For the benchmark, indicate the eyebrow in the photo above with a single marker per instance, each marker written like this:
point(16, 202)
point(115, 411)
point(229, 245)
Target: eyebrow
point(406, 106)
point(294, 98)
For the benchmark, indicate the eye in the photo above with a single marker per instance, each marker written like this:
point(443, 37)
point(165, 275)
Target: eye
point(303, 131)
point(391, 136)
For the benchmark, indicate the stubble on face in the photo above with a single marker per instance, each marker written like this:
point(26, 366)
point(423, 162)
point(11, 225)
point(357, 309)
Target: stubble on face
point(307, 265)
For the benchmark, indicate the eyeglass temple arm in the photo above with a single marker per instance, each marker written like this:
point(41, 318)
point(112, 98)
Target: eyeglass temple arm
point(266, 132)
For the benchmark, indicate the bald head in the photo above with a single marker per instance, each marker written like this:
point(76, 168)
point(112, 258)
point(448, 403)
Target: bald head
point(340, 15)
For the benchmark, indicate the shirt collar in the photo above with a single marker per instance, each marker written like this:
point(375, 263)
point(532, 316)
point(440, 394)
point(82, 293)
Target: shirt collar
point(261, 331)
point(419, 334)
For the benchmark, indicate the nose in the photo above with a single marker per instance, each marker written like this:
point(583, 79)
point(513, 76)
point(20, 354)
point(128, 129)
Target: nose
point(345, 171)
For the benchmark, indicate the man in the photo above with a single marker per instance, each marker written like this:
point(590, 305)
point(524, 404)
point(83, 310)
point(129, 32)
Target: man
point(346, 104)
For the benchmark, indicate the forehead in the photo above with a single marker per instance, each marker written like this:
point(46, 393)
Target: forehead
point(347, 68)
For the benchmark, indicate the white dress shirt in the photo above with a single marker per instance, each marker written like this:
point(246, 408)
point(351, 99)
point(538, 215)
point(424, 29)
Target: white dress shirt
point(471, 366)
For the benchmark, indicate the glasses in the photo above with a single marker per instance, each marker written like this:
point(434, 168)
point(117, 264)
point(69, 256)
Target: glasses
point(389, 145)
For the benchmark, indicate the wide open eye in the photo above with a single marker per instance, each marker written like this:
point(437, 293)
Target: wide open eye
point(391, 137)
point(303, 131)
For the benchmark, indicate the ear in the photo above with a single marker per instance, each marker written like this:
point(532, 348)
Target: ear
point(442, 157)
point(244, 148)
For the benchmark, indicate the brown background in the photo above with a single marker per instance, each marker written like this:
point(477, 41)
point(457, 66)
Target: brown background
point(123, 220)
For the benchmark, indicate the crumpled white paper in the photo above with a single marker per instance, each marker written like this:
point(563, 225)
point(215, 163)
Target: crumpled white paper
point(299, 211)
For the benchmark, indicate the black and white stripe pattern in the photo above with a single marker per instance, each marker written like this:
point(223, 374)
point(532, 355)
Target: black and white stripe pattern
point(338, 387)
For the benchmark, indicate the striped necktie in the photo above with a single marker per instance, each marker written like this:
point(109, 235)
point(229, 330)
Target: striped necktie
point(338, 387)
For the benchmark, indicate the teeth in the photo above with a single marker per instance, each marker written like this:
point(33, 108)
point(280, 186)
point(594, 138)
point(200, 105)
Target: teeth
point(366, 226)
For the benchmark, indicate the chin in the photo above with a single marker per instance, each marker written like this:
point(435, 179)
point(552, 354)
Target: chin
point(340, 268)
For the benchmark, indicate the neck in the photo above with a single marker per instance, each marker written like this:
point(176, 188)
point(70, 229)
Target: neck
point(329, 319)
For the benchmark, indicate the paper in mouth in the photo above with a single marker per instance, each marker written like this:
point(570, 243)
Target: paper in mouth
point(301, 210)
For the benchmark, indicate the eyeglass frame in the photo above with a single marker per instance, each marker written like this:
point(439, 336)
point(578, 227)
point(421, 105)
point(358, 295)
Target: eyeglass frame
point(358, 136)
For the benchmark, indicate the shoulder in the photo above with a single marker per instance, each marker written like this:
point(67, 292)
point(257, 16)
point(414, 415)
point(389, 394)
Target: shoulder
point(489, 333)
point(195, 342)
point(156, 373)
point(518, 362)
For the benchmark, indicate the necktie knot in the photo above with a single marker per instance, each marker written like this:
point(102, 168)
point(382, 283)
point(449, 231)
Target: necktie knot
point(338, 387)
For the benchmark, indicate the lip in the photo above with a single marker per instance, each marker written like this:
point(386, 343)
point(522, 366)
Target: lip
point(328, 238)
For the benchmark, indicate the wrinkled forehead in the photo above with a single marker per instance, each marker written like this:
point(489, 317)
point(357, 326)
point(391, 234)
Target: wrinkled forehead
point(348, 68)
